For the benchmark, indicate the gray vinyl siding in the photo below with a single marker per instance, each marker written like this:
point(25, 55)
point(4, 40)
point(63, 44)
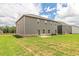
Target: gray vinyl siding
point(20, 27)
point(66, 29)
point(32, 26)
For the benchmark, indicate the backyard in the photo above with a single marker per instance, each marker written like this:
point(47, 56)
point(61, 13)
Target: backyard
point(57, 45)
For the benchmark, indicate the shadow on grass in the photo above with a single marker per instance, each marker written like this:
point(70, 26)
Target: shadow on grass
point(18, 36)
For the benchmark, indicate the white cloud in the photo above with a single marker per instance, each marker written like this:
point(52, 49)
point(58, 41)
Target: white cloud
point(7, 21)
point(10, 12)
point(61, 11)
point(49, 9)
point(69, 14)
point(46, 16)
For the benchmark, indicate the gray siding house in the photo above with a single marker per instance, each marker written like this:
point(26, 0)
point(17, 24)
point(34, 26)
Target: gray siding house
point(35, 25)
point(29, 24)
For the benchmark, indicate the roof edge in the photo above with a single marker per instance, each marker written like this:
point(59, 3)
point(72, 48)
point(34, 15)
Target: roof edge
point(36, 16)
point(20, 18)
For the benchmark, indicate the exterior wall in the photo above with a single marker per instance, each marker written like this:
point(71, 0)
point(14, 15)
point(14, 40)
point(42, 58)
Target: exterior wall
point(32, 25)
point(59, 27)
point(75, 30)
point(66, 29)
point(20, 27)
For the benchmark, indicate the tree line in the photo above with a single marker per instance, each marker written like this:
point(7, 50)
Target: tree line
point(8, 29)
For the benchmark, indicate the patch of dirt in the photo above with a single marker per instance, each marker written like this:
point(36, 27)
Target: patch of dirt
point(45, 36)
point(26, 48)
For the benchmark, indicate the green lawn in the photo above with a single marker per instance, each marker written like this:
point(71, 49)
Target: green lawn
point(57, 45)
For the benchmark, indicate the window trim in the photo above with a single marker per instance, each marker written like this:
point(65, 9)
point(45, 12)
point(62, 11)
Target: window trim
point(43, 31)
point(48, 31)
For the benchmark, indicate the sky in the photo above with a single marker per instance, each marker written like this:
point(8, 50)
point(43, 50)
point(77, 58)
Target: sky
point(67, 12)
point(48, 10)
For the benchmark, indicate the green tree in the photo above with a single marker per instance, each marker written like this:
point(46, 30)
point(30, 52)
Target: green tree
point(8, 29)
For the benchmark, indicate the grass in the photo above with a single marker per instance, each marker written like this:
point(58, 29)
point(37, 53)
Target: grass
point(57, 45)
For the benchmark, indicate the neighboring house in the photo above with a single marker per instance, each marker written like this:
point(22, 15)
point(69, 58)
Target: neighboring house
point(75, 29)
point(1, 32)
point(36, 25)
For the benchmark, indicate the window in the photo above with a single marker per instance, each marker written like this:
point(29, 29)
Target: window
point(45, 22)
point(38, 21)
point(48, 31)
point(43, 30)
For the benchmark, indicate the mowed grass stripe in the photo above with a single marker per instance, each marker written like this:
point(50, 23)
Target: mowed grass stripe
point(58, 46)
point(43, 46)
point(26, 48)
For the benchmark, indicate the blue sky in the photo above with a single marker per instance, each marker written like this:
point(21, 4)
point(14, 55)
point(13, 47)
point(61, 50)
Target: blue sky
point(49, 9)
